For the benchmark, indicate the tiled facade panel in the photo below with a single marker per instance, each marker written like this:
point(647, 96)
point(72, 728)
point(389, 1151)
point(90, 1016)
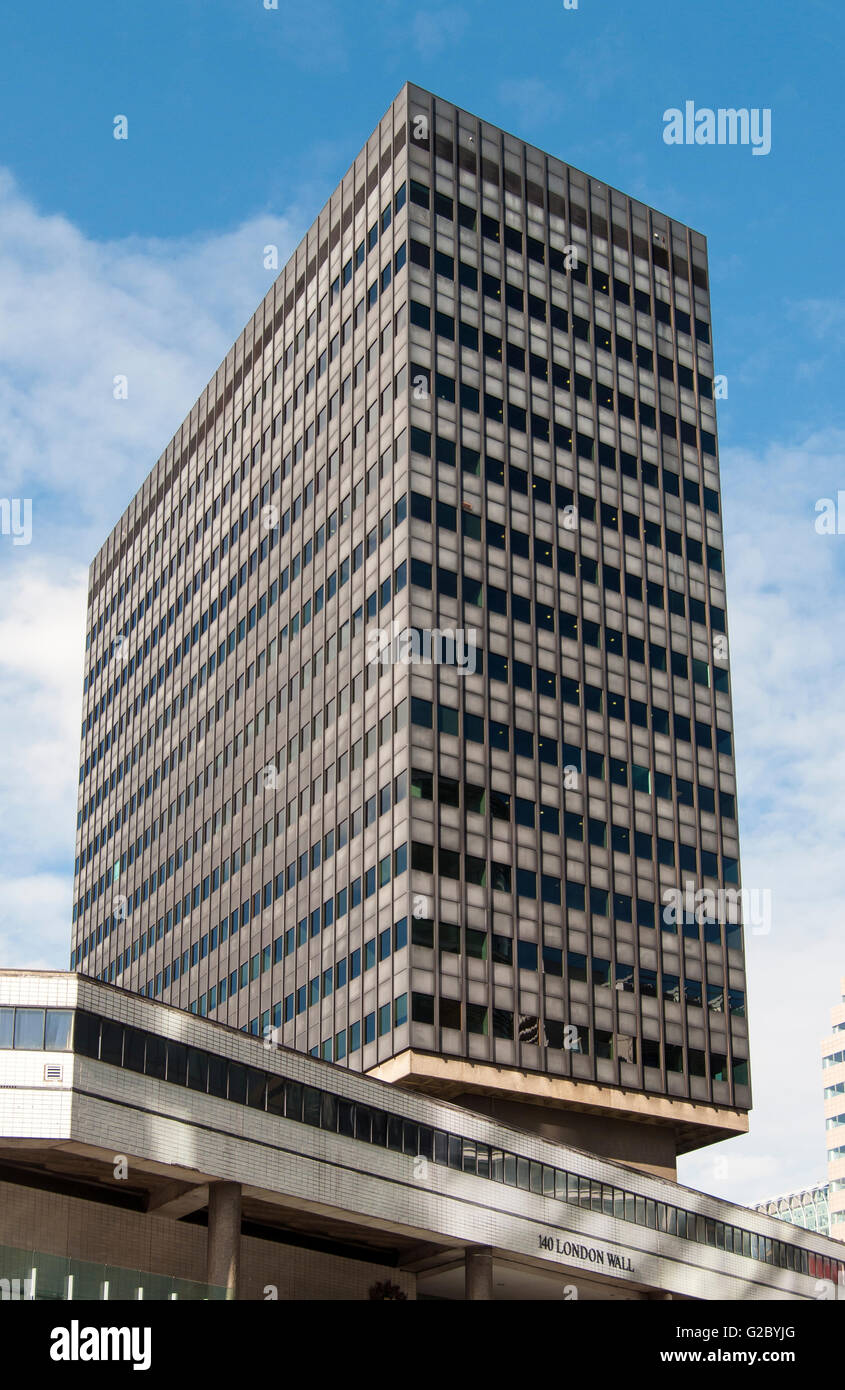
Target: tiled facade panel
point(564, 504)
point(438, 416)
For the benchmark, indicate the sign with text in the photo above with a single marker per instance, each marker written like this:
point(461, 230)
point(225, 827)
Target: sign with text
point(590, 1254)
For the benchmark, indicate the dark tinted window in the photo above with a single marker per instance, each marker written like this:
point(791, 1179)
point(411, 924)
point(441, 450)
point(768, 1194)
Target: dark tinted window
point(177, 1063)
point(256, 1085)
point(197, 1069)
point(155, 1063)
point(311, 1106)
point(111, 1042)
point(133, 1051)
point(217, 1076)
point(86, 1035)
point(293, 1100)
point(237, 1083)
point(276, 1095)
point(363, 1123)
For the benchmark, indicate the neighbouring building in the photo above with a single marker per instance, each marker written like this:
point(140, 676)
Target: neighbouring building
point(833, 1067)
point(806, 1206)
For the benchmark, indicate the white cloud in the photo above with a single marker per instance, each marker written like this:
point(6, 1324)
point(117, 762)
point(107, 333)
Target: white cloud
point(41, 621)
point(34, 921)
point(73, 313)
point(787, 631)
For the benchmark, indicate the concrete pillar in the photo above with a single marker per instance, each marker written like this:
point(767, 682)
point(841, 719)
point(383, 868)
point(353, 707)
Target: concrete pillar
point(478, 1272)
point(224, 1236)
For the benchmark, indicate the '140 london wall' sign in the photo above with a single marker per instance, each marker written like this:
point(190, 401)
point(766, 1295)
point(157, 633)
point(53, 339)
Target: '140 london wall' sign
point(555, 1246)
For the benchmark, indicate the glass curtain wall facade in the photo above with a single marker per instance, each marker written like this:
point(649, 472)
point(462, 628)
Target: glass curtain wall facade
point(808, 1207)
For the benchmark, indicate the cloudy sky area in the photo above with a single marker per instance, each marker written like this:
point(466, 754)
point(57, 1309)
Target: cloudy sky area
point(145, 258)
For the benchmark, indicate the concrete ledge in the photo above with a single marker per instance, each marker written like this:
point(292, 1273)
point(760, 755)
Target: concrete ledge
point(693, 1125)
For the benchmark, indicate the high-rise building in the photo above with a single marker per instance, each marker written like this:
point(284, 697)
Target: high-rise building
point(477, 401)
point(833, 1066)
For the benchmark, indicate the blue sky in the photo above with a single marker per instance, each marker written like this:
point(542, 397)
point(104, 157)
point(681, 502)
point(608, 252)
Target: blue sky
point(145, 257)
point(236, 111)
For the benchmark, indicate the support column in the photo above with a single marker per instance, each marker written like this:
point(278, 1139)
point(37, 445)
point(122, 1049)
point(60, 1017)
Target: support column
point(478, 1272)
point(224, 1236)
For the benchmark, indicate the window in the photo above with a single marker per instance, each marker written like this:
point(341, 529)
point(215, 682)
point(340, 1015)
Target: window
point(29, 1029)
point(447, 720)
point(421, 712)
point(57, 1030)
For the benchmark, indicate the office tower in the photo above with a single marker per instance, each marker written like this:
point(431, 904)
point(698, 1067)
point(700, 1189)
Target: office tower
point(806, 1206)
point(478, 400)
point(833, 1066)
